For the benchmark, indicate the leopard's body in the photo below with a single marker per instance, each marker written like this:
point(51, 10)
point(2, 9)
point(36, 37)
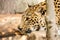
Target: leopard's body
point(57, 10)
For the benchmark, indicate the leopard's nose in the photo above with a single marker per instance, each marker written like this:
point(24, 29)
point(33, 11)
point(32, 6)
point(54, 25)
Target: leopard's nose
point(28, 31)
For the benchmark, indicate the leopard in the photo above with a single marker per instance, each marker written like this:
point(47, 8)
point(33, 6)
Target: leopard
point(33, 19)
point(57, 10)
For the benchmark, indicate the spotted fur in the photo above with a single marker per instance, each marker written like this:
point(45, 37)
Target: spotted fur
point(57, 10)
point(34, 18)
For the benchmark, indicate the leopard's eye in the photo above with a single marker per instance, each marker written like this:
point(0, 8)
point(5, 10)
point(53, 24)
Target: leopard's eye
point(42, 11)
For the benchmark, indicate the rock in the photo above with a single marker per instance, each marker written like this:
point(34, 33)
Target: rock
point(23, 37)
point(34, 2)
point(21, 6)
point(40, 35)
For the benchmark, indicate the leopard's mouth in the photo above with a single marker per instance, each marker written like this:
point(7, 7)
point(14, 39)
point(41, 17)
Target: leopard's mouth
point(25, 31)
point(29, 30)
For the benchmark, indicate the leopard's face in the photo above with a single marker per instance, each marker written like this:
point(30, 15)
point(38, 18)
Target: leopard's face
point(30, 23)
point(33, 20)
